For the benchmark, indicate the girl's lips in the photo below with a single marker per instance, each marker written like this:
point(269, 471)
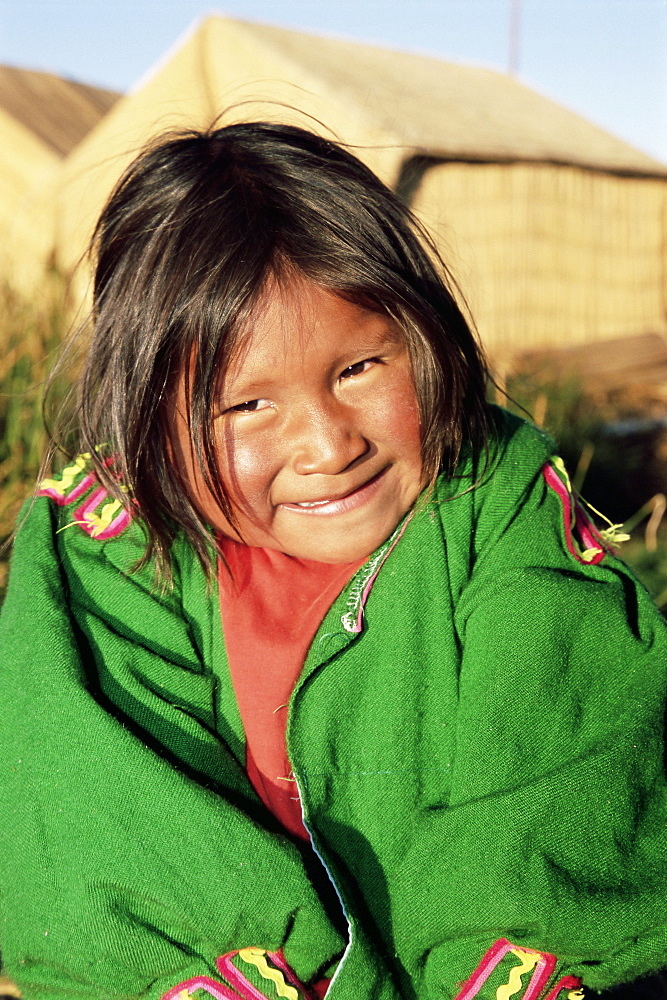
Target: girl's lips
point(350, 501)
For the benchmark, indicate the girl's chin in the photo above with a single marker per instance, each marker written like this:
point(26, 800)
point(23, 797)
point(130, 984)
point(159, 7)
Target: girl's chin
point(334, 543)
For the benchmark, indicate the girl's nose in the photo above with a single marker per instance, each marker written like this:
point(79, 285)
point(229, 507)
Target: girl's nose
point(325, 441)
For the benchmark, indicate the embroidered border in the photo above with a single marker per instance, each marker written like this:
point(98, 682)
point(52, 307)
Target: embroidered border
point(186, 989)
point(284, 984)
point(270, 965)
point(574, 519)
point(540, 964)
point(66, 490)
point(100, 515)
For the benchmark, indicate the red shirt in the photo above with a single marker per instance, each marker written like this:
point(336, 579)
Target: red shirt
point(271, 606)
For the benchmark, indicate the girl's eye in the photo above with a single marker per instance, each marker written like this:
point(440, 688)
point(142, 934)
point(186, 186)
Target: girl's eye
point(250, 406)
point(361, 366)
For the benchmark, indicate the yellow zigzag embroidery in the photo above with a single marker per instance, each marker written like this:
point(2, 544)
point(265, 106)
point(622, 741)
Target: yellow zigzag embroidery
point(100, 522)
point(255, 956)
point(68, 475)
point(528, 961)
point(96, 522)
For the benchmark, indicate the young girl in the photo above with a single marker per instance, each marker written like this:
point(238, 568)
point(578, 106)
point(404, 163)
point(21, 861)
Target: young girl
point(314, 675)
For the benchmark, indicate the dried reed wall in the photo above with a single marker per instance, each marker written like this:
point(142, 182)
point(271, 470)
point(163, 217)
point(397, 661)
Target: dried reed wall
point(27, 181)
point(550, 255)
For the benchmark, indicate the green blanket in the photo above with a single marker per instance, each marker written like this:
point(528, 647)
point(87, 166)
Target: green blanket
point(477, 736)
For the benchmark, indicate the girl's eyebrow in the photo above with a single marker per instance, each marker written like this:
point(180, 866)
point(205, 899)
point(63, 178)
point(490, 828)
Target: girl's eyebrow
point(249, 390)
point(374, 342)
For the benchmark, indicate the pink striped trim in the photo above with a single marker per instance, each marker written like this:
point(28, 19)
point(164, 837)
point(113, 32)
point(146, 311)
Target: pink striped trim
point(64, 498)
point(84, 517)
point(574, 515)
point(213, 988)
point(543, 969)
point(100, 526)
point(243, 988)
point(247, 990)
point(237, 979)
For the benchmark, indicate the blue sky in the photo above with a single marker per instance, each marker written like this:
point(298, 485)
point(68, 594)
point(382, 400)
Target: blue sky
point(603, 58)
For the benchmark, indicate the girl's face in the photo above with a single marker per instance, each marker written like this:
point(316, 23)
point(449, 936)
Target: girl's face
point(317, 430)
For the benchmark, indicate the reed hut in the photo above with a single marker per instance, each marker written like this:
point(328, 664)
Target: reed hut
point(42, 117)
point(554, 228)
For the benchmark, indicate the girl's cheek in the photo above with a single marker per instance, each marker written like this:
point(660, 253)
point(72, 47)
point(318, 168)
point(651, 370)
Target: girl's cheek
point(249, 467)
point(398, 415)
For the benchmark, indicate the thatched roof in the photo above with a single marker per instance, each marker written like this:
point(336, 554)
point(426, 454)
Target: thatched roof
point(453, 111)
point(59, 112)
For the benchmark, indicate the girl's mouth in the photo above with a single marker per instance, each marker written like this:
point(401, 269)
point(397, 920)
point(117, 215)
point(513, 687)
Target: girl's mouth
point(340, 505)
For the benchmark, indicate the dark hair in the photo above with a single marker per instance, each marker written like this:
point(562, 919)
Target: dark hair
point(194, 231)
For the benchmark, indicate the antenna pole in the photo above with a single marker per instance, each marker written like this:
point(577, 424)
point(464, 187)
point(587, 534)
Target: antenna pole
point(514, 37)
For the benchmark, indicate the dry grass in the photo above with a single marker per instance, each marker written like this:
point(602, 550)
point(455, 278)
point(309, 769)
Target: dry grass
point(30, 334)
point(614, 442)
